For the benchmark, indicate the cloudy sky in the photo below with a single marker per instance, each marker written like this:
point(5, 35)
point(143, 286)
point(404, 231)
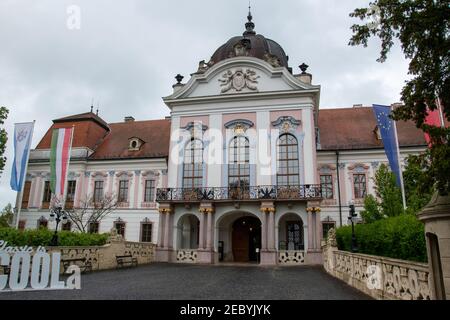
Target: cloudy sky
point(126, 53)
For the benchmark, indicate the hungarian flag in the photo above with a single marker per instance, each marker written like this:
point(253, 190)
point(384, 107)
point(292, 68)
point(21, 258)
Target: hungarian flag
point(433, 118)
point(59, 160)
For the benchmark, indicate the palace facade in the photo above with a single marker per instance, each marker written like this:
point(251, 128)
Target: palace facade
point(247, 167)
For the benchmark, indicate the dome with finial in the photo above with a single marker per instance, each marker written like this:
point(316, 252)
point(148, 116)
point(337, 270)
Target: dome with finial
point(252, 45)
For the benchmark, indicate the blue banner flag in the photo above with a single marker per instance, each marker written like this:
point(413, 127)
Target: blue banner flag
point(389, 136)
point(23, 133)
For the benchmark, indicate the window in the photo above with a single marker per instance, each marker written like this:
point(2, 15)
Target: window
point(239, 163)
point(22, 224)
point(287, 160)
point(67, 226)
point(26, 194)
point(120, 227)
point(71, 186)
point(98, 191)
point(326, 182)
point(146, 232)
point(193, 165)
point(294, 235)
point(47, 195)
point(359, 184)
point(149, 193)
point(123, 191)
point(326, 226)
point(94, 227)
point(42, 223)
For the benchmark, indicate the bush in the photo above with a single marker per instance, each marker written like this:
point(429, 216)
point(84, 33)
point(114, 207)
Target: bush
point(42, 237)
point(400, 237)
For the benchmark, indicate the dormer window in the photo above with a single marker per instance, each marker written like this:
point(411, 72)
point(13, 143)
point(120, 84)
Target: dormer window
point(377, 133)
point(134, 144)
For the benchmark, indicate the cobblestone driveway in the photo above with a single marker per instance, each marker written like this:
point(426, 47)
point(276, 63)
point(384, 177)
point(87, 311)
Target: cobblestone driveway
point(177, 281)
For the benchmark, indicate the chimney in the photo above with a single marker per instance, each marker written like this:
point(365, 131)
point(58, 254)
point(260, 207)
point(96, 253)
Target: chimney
point(357, 105)
point(128, 119)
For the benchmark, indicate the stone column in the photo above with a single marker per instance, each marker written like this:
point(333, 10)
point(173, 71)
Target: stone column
point(161, 230)
point(269, 254)
point(436, 217)
point(209, 231)
point(271, 231)
point(314, 253)
point(201, 237)
point(264, 231)
point(205, 252)
point(164, 249)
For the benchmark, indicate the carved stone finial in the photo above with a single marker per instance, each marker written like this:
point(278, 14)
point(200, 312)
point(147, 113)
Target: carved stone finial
point(303, 67)
point(179, 78)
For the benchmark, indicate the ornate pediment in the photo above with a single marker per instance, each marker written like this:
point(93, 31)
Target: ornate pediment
point(286, 124)
point(195, 126)
point(239, 80)
point(239, 126)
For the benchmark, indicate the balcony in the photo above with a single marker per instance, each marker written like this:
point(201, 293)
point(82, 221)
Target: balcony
point(291, 193)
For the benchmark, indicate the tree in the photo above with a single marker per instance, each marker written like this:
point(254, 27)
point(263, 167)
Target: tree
point(418, 187)
point(388, 200)
point(91, 211)
point(3, 137)
point(422, 27)
point(6, 216)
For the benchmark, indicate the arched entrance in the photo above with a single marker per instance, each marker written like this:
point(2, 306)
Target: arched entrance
point(246, 238)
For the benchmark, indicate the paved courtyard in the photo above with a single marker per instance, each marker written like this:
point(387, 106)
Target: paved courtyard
point(177, 281)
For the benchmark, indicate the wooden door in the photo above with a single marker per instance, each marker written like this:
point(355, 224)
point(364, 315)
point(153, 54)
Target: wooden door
point(26, 194)
point(240, 243)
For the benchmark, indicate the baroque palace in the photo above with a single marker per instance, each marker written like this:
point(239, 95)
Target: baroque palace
point(246, 168)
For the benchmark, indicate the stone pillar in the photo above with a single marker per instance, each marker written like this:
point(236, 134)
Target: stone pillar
point(201, 236)
point(165, 247)
point(205, 252)
point(436, 217)
point(264, 231)
point(269, 255)
point(314, 253)
point(209, 231)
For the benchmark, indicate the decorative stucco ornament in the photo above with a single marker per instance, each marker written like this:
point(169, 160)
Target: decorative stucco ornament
point(239, 80)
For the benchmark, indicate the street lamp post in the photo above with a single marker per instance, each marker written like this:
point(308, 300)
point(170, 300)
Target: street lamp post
point(351, 217)
point(59, 215)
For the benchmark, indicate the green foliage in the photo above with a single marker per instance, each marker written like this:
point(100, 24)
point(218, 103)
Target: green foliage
point(6, 216)
point(3, 137)
point(387, 190)
point(400, 237)
point(418, 187)
point(371, 210)
point(42, 237)
point(423, 29)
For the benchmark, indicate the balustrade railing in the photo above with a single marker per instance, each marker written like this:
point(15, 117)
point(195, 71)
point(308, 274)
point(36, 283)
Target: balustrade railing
point(296, 192)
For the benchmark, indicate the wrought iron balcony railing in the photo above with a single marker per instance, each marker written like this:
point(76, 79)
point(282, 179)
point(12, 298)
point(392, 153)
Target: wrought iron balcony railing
point(297, 192)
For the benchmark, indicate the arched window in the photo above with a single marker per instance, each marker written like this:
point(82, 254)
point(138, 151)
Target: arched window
point(193, 164)
point(239, 163)
point(287, 161)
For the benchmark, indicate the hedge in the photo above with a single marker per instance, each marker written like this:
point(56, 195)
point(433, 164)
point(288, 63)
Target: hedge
point(42, 237)
point(400, 237)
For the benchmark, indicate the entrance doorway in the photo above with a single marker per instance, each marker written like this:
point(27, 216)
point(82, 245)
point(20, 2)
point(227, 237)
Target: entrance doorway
point(246, 239)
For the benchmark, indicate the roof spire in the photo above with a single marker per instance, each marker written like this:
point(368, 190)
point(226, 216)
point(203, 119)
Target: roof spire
point(249, 25)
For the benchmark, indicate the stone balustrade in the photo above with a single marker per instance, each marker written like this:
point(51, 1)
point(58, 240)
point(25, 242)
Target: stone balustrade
point(187, 256)
point(291, 257)
point(379, 277)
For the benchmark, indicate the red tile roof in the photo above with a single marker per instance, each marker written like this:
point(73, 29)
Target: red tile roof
point(154, 133)
point(353, 128)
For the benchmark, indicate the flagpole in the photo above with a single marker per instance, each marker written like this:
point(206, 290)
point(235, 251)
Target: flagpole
point(20, 195)
point(402, 185)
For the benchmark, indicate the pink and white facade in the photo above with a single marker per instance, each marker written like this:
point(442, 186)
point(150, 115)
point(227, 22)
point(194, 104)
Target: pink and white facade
point(252, 170)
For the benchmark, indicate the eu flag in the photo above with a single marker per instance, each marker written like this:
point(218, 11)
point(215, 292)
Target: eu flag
point(387, 130)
